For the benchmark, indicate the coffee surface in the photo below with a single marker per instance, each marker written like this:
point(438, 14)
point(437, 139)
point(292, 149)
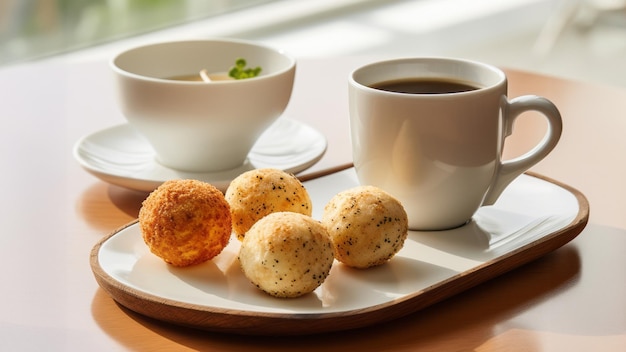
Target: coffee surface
point(424, 86)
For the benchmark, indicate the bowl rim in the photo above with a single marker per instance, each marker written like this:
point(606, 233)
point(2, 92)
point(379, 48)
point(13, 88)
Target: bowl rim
point(116, 68)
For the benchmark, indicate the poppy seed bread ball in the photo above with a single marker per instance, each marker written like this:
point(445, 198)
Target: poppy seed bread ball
point(257, 193)
point(185, 222)
point(286, 254)
point(366, 225)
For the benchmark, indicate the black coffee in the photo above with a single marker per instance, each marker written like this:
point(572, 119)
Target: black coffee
point(424, 86)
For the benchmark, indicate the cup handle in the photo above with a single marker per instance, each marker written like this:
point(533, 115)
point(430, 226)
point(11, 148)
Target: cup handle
point(507, 171)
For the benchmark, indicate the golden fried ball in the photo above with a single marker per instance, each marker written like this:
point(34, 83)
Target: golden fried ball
point(257, 193)
point(366, 225)
point(286, 254)
point(185, 222)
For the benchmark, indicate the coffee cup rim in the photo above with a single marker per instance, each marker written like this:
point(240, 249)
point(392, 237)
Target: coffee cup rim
point(498, 76)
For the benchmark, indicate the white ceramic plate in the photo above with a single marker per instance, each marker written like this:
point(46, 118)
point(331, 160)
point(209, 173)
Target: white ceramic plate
point(529, 211)
point(121, 156)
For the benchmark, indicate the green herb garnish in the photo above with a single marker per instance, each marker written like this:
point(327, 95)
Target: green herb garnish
point(239, 71)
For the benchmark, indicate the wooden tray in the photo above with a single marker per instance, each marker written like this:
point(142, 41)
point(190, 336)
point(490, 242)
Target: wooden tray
point(534, 216)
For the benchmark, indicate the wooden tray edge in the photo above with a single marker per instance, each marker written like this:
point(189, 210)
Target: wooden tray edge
point(223, 320)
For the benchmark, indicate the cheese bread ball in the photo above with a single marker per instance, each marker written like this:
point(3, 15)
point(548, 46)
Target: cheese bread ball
point(366, 225)
point(257, 193)
point(185, 222)
point(286, 254)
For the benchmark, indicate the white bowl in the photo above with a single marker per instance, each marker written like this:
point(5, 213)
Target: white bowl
point(200, 126)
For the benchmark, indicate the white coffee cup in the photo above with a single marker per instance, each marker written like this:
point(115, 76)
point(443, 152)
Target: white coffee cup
point(440, 153)
point(200, 126)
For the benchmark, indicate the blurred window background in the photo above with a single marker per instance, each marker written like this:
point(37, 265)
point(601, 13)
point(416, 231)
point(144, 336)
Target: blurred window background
point(583, 39)
point(32, 29)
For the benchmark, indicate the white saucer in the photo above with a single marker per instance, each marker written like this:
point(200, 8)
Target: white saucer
point(121, 156)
